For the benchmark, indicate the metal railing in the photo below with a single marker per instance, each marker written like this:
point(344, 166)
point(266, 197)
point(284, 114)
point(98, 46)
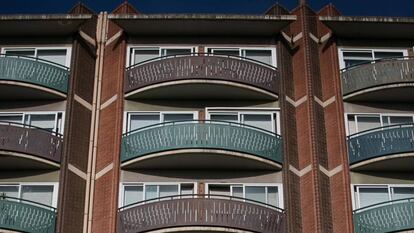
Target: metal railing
point(202, 134)
point(27, 139)
point(200, 210)
point(202, 66)
point(390, 216)
point(377, 73)
point(34, 71)
point(26, 216)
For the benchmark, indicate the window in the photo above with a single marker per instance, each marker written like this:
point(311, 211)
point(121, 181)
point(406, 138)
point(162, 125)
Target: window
point(366, 195)
point(42, 193)
point(361, 122)
point(141, 54)
point(267, 120)
point(352, 57)
point(48, 121)
point(133, 193)
point(136, 120)
point(264, 55)
point(268, 194)
point(57, 55)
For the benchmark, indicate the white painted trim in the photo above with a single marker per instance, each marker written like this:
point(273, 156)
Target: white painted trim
point(366, 49)
point(355, 194)
point(20, 184)
point(25, 113)
point(278, 185)
point(68, 48)
point(241, 49)
point(129, 60)
point(372, 114)
point(127, 116)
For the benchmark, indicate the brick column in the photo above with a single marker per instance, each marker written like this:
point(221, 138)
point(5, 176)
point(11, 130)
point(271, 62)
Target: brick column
point(316, 173)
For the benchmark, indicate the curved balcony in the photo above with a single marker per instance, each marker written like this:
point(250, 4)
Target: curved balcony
point(383, 148)
point(28, 147)
point(201, 144)
point(202, 76)
point(380, 80)
point(26, 216)
point(200, 210)
point(32, 78)
point(392, 216)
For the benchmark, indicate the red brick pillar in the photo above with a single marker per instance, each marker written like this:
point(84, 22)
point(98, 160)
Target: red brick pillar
point(316, 173)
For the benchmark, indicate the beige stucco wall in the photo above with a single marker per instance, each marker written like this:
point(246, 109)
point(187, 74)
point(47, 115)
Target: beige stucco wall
point(13, 176)
point(22, 106)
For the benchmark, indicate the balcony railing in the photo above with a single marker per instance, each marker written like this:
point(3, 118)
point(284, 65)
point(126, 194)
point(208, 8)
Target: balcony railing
point(377, 73)
point(202, 66)
point(200, 210)
point(34, 71)
point(31, 140)
point(392, 216)
point(26, 216)
point(382, 141)
point(201, 134)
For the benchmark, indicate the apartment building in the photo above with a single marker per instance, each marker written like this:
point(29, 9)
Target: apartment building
point(289, 121)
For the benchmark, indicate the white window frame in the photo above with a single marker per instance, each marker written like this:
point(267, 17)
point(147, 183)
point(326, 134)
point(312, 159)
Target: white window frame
point(273, 112)
point(144, 184)
point(278, 185)
point(371, 114)
point(36, 48)
point(241, 49)
point(130, 60)
point(20, 184)
point(25, 113)
point(341, 50)
point(355, 194)
point(127, 116)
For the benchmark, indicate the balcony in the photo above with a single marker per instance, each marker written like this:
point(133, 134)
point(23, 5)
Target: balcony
point(392, 216)
point(206, 211)
point(201, 144)
point(32, 78)
point(26, 216)
point(27, 147)
point(383, 148)
point(380, 80)
point(201, 76)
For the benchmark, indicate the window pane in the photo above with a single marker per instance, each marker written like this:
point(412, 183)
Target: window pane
point(219, 190)
point(233, 52)
point(368, 122)
point(143, 120)
point(370, 196)
point(264, 56)
point(178, 117)
point(38, 193)
point(379, 55)
point(367, 55)
point(272, 196)
point(224, 117)
point(256, 193)
point(10, 191)
point(395, 120)
point(260, 121)
point(403, 192)
point(237, 191)
point(151, 192)
point(11, 118)
point(187, 189)
point(351, 62)
point(41, 120)
point(141, 55)
point(21, 52)
point(168, 52)
point(57, 55)
point(168, 190)
point(133, 194)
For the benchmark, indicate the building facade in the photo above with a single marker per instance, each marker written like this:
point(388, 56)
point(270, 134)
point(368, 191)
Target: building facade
point(289, 121)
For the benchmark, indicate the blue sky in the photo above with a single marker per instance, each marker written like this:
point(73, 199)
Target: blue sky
point(347, 7)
